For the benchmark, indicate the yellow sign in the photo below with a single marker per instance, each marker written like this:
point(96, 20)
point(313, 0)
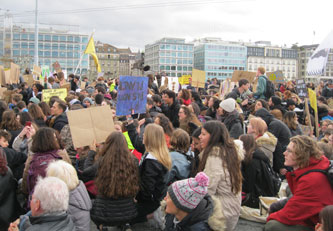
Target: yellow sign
point(272, 77)
point(184, 80)
point(48, 93)
point(198, 78)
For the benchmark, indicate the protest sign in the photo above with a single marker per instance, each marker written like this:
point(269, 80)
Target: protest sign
point(132, 95)
point(36, 71)
point(173, 84)
point(56, 66)
point(184, 80)
point(238, 75)
point(198, 78)
point(330, 103)
point(14, 73)
point(2, 76)
point(67, 86)
point(45, 73)
point(2, 90)
point(89, 125)
point(83, 85)
point(48, 93)
point(7, 77)
point(301, 89)
point(276, 76)
point(29, 79)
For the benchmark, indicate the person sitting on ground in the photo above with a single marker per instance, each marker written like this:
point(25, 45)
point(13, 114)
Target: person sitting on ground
point(291, 120)
point(325, 217)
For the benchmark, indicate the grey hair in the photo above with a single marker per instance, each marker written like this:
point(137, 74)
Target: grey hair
point(52, 193)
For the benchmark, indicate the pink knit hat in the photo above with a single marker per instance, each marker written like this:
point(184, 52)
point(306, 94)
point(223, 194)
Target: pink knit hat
point(187, 194)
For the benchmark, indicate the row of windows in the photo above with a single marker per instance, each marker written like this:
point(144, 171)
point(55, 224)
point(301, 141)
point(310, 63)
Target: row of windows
point(53, 38)
point(226, 61)
point(216, 74)
point(176, 47)
point(176, 54)
point(48, 46)
point(53, 54)
point(214, 54)
point(225, 68)
point(64, 63)
point(225, 48)
point(273, 61)
point(173, 74)
point(272, 68)
point(176, 61)
point(175, 68)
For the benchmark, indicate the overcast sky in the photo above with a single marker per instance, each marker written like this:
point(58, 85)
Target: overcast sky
point(134, 23)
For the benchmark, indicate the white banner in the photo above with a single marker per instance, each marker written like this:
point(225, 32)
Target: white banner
point(317, 63)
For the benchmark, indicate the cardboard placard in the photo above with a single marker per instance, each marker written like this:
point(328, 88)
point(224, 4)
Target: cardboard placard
point(276, 76)
point(238, 75)
point(198, 78)
point(330, 103)
point(48, 93)
point(14, 73)
point(301, 89)
point(29, 79)
point(132, 95)
point(87, 125)
point(7, 77)
point(83, 85)
point(56, 66)
point(173, 84)
point(2, 76)
point(2, 90)
point(67, 86)
point(37, 70)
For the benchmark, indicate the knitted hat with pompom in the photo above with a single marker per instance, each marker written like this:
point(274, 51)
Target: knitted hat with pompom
point(187, 194)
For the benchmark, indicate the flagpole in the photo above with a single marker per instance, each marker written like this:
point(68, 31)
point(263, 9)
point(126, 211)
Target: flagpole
point(83, 52)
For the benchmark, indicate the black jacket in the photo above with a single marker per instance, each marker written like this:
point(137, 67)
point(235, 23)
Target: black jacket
point(60, 122)
point(281, 131)
point(112, 212)
point(172, 112)
point(153, 185)
point(327, 92)
point(233, 124)
point(154, 111)
point(16, 161)
point(197, 220)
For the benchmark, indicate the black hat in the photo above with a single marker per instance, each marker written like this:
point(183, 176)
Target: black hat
point(276, 100)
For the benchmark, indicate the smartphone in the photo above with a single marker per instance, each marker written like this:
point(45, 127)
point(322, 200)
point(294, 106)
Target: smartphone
point(28, 123)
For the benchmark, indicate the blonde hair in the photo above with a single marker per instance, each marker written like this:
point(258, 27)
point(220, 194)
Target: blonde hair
point(261, 70)
point(65, 172)
point(258, 125)
point(155, 143)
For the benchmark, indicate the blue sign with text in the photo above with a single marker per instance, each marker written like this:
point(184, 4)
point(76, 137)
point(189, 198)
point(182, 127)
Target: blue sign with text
point(132, 95)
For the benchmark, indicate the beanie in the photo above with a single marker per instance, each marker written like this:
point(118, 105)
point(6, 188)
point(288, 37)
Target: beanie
point(276, 100)
point(187, 194)
point(228, 105)
point(34, 100)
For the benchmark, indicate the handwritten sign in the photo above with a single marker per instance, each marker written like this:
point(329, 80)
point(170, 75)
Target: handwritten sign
point(48, 93)
point(301, 88)
point(185, 79)
point(238, 75)
point(2, 76)
point(14, 73)
point(198, 78)
point(132, 95)
point(276, 77)
point(29, 79)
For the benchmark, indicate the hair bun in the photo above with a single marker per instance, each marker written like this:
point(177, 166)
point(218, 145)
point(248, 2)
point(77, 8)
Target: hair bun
point(202, 179)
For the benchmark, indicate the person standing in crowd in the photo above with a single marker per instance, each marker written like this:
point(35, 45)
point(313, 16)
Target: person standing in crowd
point(230, 117)
point(153, 169)
point(213, 105)
point(260, 103)
point(79, 200)
point(188, 119)
point(221, 160)
point(311, 192)
point(237, 93)
point(171, 107)
point(184, 96)
point(117, 183)
point(37, 115)
point(262, 83)
point(75, 83)
point(59, 117)
point(291, 120)
point(328, 89)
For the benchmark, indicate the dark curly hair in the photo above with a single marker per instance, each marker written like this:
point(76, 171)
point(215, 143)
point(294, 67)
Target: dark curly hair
point(165, 123)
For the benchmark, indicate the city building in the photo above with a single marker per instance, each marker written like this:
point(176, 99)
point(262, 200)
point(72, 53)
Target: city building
point(55, 43)
point(218, 58)
point(273, 58)
point(126, 61)
point(170, 55)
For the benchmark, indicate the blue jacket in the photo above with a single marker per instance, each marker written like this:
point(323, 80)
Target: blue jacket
point(181, 167)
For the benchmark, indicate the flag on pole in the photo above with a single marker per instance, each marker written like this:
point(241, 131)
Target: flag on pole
point(90, 49)
point(313, 99)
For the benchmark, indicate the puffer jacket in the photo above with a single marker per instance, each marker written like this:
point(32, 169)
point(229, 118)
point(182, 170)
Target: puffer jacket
point(181, 167)
point(79, 207)
point(220, 186)
point(267, 143)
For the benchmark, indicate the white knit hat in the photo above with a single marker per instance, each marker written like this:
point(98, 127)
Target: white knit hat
point(228, 105)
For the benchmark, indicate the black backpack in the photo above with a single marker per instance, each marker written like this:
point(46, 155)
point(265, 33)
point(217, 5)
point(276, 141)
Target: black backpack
point(270, 89)
point(272, 178)
point(328, 172)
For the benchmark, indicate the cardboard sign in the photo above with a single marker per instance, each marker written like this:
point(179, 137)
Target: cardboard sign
point(67, 86)
point(330, 103)
point(48, 93)
point(14, 73)
point(7, 77)
point(185, 79)
point(238, 75)
point(56, 66)
point(301, 89)
point(83, 85)
point(198, 78)
point(132, 95)
point(29, 79)
point(36, 71)
point(173, 84)
point(87, 125)
point(2, 76)
point(2, 90)
point(276, 76)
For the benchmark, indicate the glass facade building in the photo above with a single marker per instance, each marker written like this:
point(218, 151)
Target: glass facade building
point(219, 59)
point(170, 55)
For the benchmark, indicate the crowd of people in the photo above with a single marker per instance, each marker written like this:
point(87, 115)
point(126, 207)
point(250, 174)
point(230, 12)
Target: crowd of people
point(189, 163)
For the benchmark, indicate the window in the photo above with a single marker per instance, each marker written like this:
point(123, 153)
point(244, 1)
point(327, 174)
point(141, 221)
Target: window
point(69, 47)
point(47, 37)
point(179, 54)
point(70, 39)
point(162, 67)
point(31, 37)
point(77, 39)
point(16, 37)
point(62, 54)
point(54, 54)
point(69, 62)
point(16, 52)
point(47, 46)
point(179, 68)
point(77, 47)
point(62, 46)
point(54, 46)
point(55, 38)
point(24, 52)
point(31, 45)
point(173, 68)
point(84, 39)
point(40, 53)
point(167, 68)
point(24, 36)
point(62, 38)
point(16, 45)
point(162, 47)
point(40, 45)
point(24, 45)
point(184, 68)
point(47, 53)
point(179, 47)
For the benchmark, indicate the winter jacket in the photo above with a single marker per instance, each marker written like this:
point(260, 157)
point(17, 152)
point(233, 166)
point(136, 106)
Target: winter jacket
point(14, 134)
point(154, 111)
point(267, 143)
point(296, 132)
point(58, 122)
point(220, 186)
point(233, 124)
point(327, 92)
point(23, 145)
point(66, 138)
point(152, 174)
point(311, 193)
point(15, 161)
point(261, 88)
point(79, 207)
point(136, 139)
point(50, 222)
point(181, 167)
point(9, 206)
point(281, 131)
point(195, 220)
point(113, 212)
point(172, 112)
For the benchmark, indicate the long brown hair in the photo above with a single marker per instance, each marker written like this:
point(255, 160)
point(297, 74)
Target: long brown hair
point(289, 119)
point(219, 137)
point(36, 112)
point(325, 217)
point(3, 163)
point(117, 175)
point(9, 121)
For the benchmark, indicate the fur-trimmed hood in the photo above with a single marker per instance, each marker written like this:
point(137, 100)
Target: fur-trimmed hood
point(267, 141)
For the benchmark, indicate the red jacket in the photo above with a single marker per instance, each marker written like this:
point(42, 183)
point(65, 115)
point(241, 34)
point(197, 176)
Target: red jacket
point(311, 193)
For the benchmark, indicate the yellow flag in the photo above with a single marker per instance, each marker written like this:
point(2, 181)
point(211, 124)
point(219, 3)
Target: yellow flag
point(313, 99)
point(90, 49)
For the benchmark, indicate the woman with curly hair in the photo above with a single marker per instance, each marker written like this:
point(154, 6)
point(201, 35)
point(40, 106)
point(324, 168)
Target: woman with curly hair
point(11, 124)
point(221, 161)
point(185, 96)
point(117, 183)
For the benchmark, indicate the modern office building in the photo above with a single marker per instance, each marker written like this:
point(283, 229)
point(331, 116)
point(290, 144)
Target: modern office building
point(273, 58)
point(55, 43)
point(170, 55)
point(218, 58)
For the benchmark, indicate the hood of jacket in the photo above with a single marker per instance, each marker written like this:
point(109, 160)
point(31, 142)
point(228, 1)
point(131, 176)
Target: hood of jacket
point(265, 115)
point(79, 197)
point(231, 118)
point(267, 141)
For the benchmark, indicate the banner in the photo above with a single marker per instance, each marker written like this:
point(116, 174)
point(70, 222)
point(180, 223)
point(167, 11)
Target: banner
point(29, 79)
point(238, 75)
point(45, 73)
point(301, 89)
point(184, 80)
point(132, 95)
point(14, 73)
point(173, 84)
point(48, 93)
point(317, 63)
point(198, 78)
point(276, 77)
point(89, 125)
point(313, 99)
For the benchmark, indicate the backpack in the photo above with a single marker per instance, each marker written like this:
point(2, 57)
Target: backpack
point(270, 89)
point(328, 172)
point(272, 178)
